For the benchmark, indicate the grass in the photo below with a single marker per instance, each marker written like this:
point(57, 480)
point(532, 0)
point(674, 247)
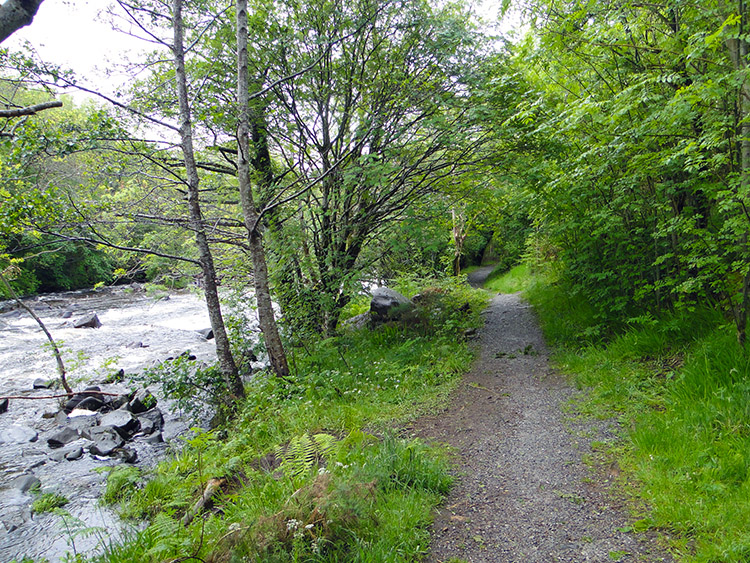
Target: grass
point(47, 502)
point(313, 471)
point(680, 387)
point(509, 281)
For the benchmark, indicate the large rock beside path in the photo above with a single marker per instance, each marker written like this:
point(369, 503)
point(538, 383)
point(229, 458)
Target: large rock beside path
point(388, 304)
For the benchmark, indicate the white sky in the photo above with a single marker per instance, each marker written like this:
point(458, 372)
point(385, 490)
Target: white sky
point(70, 33)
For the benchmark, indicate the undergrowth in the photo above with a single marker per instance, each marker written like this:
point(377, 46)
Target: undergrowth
point(679, 387)
point(312, 470)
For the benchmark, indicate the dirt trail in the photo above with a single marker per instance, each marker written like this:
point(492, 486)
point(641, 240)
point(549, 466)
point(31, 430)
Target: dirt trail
point(523, 493)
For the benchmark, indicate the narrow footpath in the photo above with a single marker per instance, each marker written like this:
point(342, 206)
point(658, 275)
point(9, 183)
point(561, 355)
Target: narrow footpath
point(523, 493)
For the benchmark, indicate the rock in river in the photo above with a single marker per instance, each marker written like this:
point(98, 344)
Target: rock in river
point(105, 438)
point(142, 401)
point(90, 320)
point(64, 436)
point(122, 421)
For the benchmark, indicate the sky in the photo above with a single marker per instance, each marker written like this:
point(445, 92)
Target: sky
point(73, 34)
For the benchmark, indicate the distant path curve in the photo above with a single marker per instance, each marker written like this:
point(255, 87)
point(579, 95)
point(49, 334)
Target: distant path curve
point(523, 493)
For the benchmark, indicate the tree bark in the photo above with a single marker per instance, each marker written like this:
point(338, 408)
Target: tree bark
point(739, 49)
point(15, 14)
point(223, 351)
point(266, 319)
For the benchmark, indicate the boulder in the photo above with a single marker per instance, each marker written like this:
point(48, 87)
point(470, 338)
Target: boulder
point(92, 403)
point(62, 437)
point(142, 401)
point(360, 321)
point(90, 320)
point(207, 333)
point(74, 454)
point(67, 314)
point(25, 482)
point(387, 304)
point(40, 383)
point(125, 455)
point(105, 438)
point(157, 438)
point(17, 434)
point(151, 421)
point(122, 421)
point(77, 399)
point(117, 402)
point(4, 406)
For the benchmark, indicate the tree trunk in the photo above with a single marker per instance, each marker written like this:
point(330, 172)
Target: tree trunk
point(266, 319)
point(15, 14)
point(739, 49)
point(223, 351)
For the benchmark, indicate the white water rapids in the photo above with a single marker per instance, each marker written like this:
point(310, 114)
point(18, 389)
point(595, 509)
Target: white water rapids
point(164, 327)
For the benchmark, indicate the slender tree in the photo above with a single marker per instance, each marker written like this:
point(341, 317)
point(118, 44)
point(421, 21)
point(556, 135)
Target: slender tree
point(226, 361)
point(266, 318)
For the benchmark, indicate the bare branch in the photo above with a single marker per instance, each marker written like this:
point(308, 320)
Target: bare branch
point(30, 110)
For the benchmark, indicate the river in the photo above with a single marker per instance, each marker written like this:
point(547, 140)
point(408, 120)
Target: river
point(138, 330)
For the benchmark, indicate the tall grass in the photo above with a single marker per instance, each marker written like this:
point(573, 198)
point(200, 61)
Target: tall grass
point(680, 387)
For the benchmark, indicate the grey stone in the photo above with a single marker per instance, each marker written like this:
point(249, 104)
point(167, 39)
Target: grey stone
point(90, 320)
point(106, 440)
point(78, 398)
point(207, 333)
point(17, 434)
point(40, 383)
point(67, 314)
point(122, 421)
point(153, 418)
point(74, 454)
point(64, 436)
point(126, 455)
point(90, 403)
point(142, 401)
point(26, 482)
point(360, 321)
point(388, 304)
point(157, 438)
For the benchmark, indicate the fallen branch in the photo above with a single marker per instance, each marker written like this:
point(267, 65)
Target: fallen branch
point(55, 350)
point(212, 487)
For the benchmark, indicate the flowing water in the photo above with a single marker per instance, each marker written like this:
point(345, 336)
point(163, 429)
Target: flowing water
point(137, 331)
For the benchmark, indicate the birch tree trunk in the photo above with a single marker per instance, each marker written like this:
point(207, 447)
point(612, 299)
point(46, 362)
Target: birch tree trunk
point(266, 319)
point(223, 351)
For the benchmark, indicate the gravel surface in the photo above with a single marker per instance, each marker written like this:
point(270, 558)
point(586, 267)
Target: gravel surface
point(523, 493)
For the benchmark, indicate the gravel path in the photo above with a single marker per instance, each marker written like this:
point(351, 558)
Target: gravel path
point(523, 493)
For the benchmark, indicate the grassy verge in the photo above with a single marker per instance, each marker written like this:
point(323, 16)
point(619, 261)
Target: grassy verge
point(509, 281)
point(679, 386)
point(311, 471)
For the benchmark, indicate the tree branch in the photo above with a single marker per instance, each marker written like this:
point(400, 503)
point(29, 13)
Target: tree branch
point(30, 110)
